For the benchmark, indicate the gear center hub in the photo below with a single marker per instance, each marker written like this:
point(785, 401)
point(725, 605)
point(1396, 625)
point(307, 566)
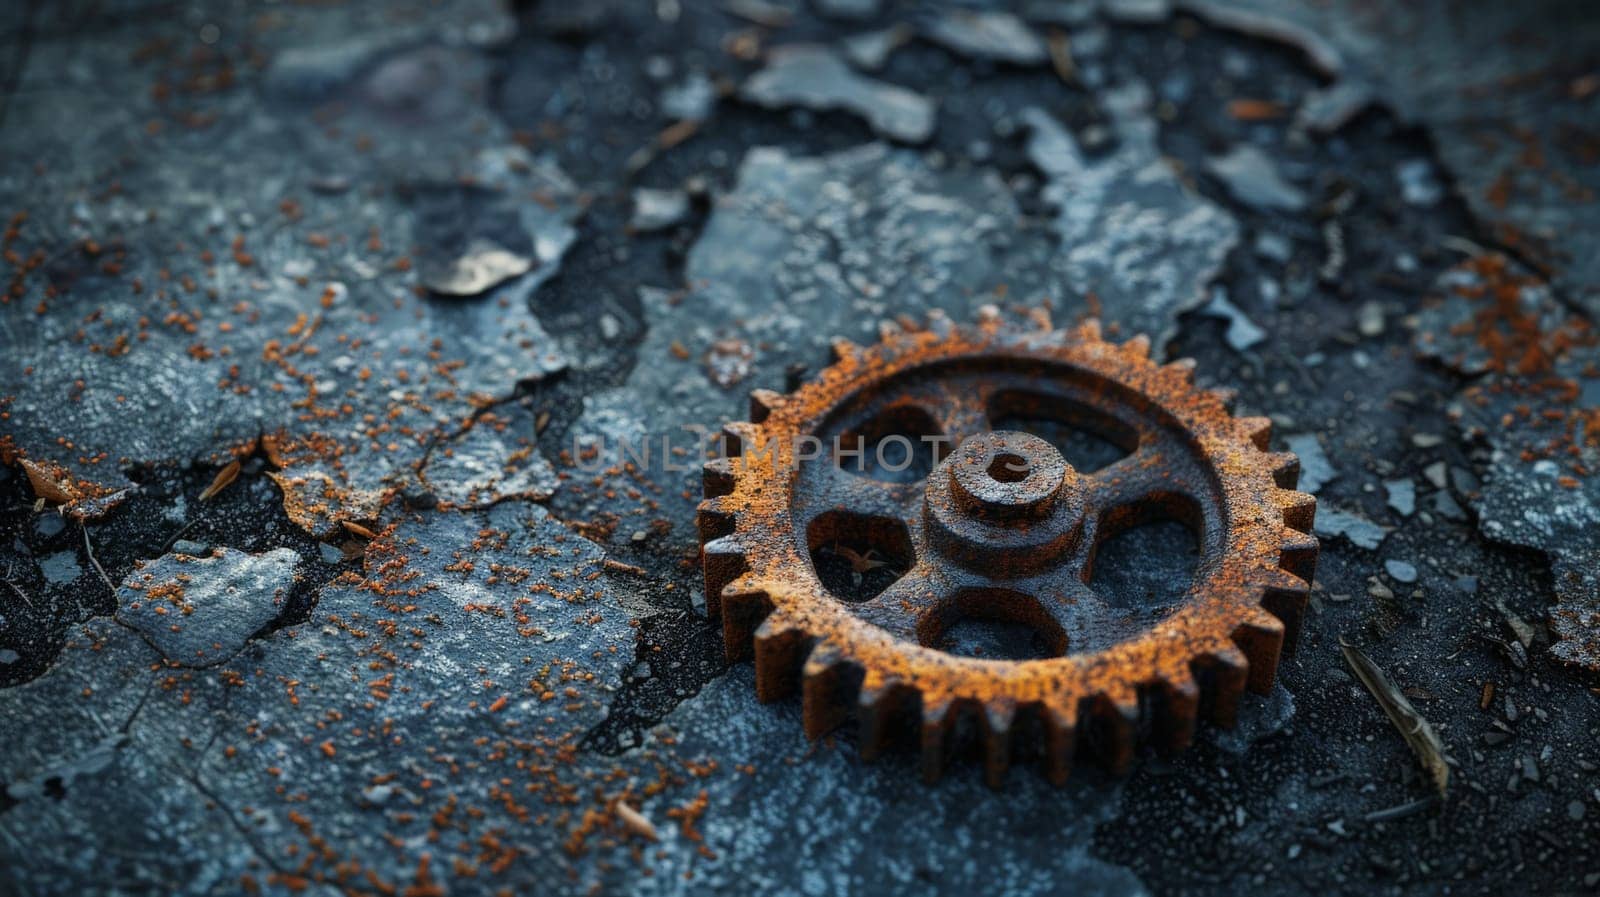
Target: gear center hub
point(1005, 503)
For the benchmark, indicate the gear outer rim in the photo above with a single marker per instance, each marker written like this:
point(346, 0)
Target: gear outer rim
point(1242, 610)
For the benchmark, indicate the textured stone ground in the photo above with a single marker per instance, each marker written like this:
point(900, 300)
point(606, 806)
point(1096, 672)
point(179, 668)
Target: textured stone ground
point(322, 324)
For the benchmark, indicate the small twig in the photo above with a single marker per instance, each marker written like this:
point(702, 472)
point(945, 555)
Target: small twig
point(1401, 811)
point(179, 535)
point(15, 588)
point(621, 567)
point(1462, 245)
point(89, 548)
point(1416, 731)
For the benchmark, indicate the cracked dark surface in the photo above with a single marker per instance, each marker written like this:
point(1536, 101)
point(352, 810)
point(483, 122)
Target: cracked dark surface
point(492, 637)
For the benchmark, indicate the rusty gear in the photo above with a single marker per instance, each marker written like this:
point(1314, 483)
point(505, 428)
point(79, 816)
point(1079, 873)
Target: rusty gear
point(1004, 528)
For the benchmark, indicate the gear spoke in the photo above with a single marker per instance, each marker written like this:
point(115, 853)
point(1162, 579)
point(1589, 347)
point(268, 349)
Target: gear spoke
point(961, 420)
point(958, 413)
point(906, 608)
point(863, 496)
point(1136, 479)
point(1072, 606)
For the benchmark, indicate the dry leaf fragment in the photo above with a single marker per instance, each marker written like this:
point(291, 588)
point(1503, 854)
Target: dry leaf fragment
point(223, 479)
point(49, 485)
point(1418, 733)
point(636, 822)
point(358, 530)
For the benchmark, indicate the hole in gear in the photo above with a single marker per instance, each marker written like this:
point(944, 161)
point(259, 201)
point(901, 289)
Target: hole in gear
point(1008, 468)
point(1088, 439)
point(995, 624)
point(1146, 566)
point(898, 445)
point(857, 556)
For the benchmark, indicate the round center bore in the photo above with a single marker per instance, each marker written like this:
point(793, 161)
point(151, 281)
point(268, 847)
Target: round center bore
point(1005, 503)
point(1008, 476)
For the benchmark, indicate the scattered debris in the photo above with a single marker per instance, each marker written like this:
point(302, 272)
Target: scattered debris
point(1369, 319)
point(691, 99)
point(1402, 496)
point(815, 77)
point(1421, 737)
point(1131, 233)
point(493, 459)
point(728, 362)
point(1419, 184)
point(849, 10)
point(1401, 571)
point(1253, 179)
point(223, 480)
point(655, 210)
point(481, 264)
point(870, 50)
point(1361, 532)
point(986, 34)
point(1315, 468)
point(636, 822)
point(1242, 332)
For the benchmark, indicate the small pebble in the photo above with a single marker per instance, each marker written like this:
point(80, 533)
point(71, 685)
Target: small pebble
point(1401, 571)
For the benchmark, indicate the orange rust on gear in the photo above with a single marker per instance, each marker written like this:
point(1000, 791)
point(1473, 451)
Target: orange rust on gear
point(1018, 546)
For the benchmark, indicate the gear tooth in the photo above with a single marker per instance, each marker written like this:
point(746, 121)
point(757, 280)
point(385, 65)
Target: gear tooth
point(999, 718)
point(1182, 370)
point(762, 401)
point(720, 506)
point(1177, 699)
point(743, 605)
point(1258, 430)
point(1138, 346)
point(722, 560)
point(1060, 718)
point(1299, 508)
point(843, 351)
point(1260, 636)
point(940, 324)
point(1227, 395)
point(989, 317)
point(1222, 673)
point(1285, 596)
point(1113, 722)
point(736, 435)
point(1089, 330)
point(889, 330)
point(1039, 316)
point(1282, 580)
point(1285, 469)
point(878, 708)
point(717, 477)
point(780, 649)
point(828, 684)
point(713, 519)
point(938, 719)
point(1297, 553)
